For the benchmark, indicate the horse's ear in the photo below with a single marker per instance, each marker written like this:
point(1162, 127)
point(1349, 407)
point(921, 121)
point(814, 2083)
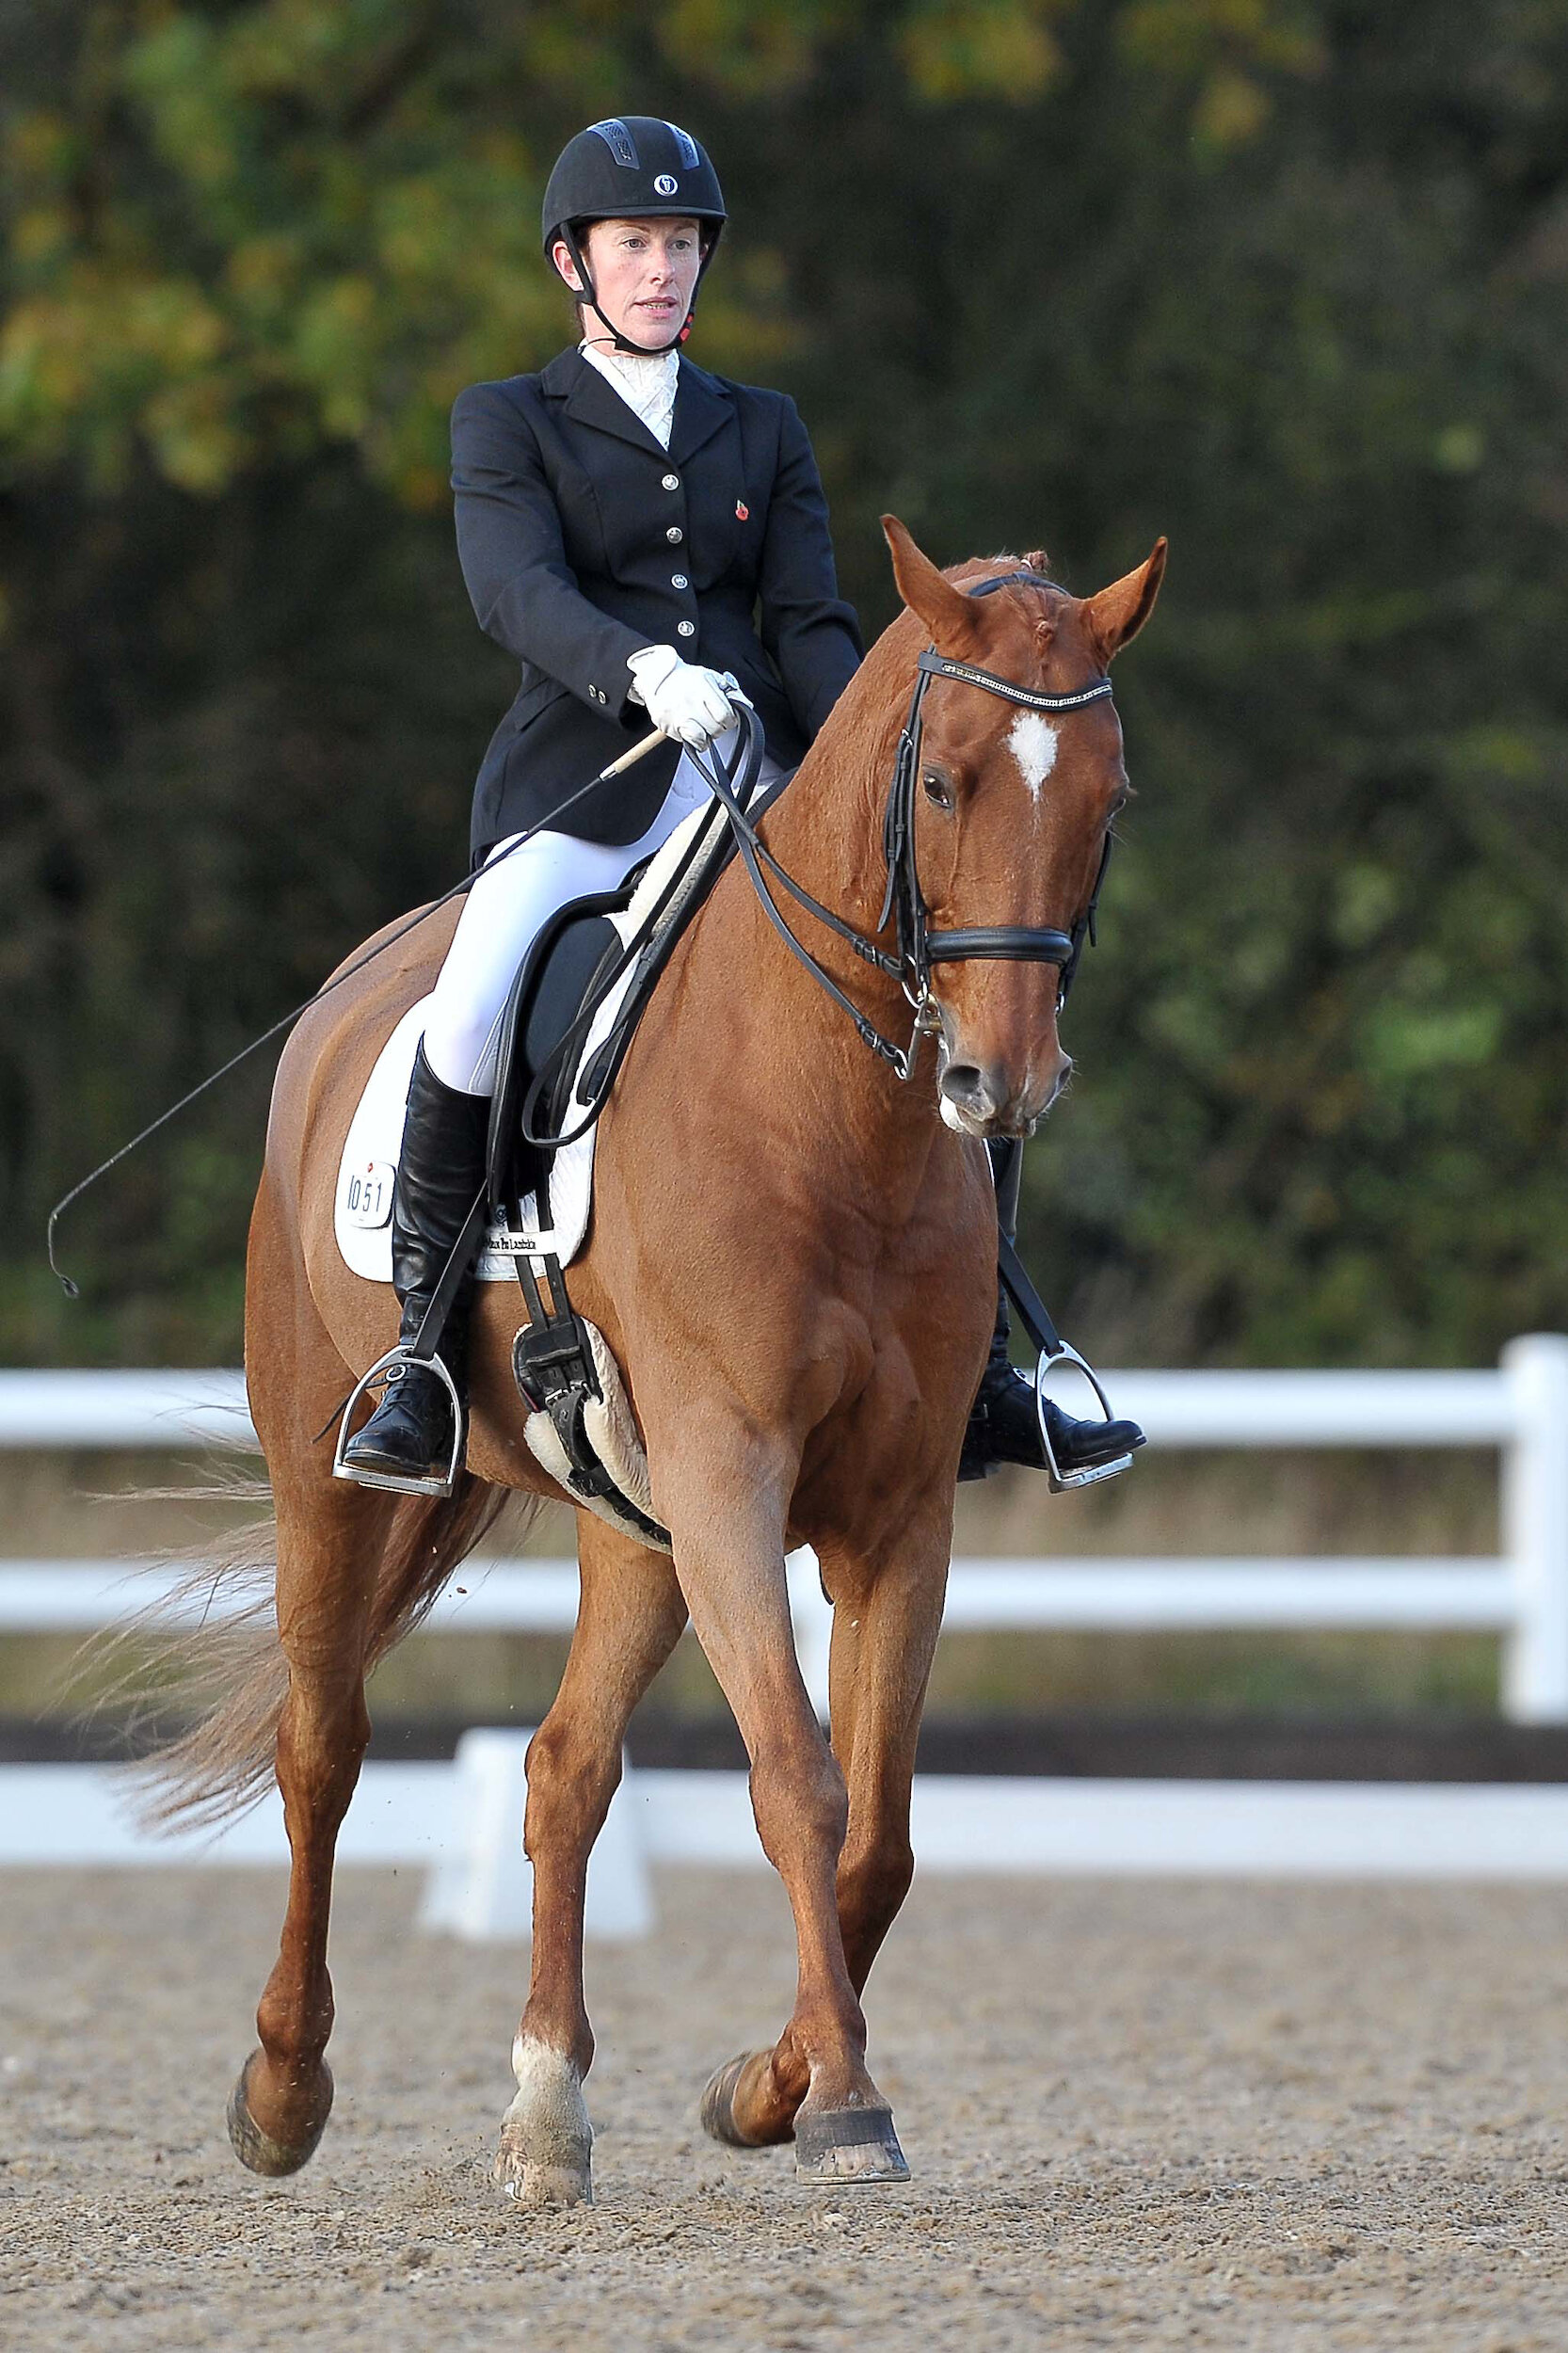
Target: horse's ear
point(1119, 612)
point(945, 610)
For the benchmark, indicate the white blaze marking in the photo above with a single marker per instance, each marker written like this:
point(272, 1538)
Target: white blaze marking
point(1031, 740)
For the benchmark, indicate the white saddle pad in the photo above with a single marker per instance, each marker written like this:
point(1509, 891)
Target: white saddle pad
point(363, 1204)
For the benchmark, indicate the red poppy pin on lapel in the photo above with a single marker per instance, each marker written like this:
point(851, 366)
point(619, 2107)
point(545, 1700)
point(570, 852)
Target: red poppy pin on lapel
point(742, 512)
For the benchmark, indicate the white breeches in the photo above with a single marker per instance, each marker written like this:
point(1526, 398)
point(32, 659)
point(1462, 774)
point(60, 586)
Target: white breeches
point(506, 907)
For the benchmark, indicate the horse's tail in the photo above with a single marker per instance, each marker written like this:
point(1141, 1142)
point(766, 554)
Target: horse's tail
point(231, 1663)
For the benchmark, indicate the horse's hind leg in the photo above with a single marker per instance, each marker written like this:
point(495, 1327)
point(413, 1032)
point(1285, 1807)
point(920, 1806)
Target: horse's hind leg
point(630, 1617)
point(330, 1538)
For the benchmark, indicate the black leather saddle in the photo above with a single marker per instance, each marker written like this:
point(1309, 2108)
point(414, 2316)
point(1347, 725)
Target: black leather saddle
point(578, 956)
point(577, 948)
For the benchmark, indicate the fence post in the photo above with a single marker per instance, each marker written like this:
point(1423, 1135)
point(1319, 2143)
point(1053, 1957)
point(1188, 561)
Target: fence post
point(482, 1886)
point(1535, 1529)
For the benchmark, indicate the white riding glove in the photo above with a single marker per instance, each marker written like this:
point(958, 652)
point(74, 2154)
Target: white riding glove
point(690, 703)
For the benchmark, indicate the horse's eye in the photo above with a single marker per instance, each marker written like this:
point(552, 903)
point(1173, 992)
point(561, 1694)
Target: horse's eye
point(938, 790)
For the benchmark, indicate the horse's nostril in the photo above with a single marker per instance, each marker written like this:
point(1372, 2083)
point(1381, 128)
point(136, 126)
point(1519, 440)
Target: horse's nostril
point(965, 1084)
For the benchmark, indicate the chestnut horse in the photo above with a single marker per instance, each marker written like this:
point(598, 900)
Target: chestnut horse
point(793, 1260)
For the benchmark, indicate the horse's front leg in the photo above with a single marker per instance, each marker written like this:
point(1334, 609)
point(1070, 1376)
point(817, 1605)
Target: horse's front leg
point(630, 1617)
point(886, 1615)
point(813, 2085)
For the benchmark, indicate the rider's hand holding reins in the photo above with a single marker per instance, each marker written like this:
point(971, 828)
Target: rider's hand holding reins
point(684, 700)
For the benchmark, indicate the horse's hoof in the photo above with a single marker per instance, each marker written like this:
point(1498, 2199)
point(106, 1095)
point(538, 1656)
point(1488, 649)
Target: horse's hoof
point(258, 2150)
point(848, 2145)
point(546, 2142)
point(523, 2182)
point(718, 2103)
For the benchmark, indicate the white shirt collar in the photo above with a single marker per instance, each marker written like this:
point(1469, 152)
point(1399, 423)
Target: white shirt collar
point(647, 383)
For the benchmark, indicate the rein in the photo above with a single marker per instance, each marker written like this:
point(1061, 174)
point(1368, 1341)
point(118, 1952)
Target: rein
point(916, 949)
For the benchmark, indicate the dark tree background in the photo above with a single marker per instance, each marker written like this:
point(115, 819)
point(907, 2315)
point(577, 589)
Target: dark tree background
point(1284, 282)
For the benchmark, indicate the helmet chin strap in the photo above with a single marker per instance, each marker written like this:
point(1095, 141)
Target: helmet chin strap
point(590, 300)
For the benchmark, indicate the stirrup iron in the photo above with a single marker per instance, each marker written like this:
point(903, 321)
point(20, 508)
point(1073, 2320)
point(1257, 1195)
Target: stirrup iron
point(398, 1360)
point(1057, 1479)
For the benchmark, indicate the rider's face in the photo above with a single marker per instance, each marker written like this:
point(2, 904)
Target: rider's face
point(644, 274)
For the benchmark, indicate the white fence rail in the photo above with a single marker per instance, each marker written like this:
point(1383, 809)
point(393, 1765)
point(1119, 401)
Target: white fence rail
point(463, 1817)
point(424, 1816)
point(1521, 1410)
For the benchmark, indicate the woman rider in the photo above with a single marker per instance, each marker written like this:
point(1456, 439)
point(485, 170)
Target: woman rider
point(646, 539)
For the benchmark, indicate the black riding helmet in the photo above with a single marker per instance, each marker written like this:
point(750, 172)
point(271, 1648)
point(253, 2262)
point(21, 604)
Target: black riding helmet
point(630, 167)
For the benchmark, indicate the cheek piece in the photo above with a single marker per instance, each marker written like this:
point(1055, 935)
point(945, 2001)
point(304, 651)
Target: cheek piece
point(622, 343)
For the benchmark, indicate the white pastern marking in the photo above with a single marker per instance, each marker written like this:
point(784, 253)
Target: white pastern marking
point(546, 2153)
point(1031, 740)
point(545, 2076)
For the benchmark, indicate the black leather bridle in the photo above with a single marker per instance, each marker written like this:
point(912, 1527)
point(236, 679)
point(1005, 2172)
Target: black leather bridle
point(917, 947)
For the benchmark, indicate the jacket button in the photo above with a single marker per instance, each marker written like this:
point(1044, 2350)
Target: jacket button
point(672, 482)
point(674, 534)
point(685, 628)
point(678, 580)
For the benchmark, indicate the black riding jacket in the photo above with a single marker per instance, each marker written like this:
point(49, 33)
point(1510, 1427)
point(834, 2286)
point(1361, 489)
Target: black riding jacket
point(582, 541)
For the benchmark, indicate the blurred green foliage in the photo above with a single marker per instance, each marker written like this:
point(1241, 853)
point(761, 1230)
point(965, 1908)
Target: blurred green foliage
point(1286, 281)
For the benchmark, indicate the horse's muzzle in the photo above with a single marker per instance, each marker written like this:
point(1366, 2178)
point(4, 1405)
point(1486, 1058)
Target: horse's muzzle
point(988, 1099)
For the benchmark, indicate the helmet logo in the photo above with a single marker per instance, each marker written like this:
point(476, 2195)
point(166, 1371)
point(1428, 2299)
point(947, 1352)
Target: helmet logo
point(665, 184)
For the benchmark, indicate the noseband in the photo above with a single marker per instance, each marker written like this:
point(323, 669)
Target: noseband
point(917, 947)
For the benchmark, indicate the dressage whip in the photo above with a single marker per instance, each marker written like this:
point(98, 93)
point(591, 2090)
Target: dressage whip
point(617, 767)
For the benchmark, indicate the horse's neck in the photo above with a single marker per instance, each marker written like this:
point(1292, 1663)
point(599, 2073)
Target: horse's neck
point(868, 1132)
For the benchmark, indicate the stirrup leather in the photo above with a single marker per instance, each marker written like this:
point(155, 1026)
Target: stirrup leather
point(424, 1353)
point(553, 1368)
point(1053, 1350)
point(386, 1369)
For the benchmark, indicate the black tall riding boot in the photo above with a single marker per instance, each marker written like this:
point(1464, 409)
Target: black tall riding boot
point(409, 1434)
point(1004, 1426)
